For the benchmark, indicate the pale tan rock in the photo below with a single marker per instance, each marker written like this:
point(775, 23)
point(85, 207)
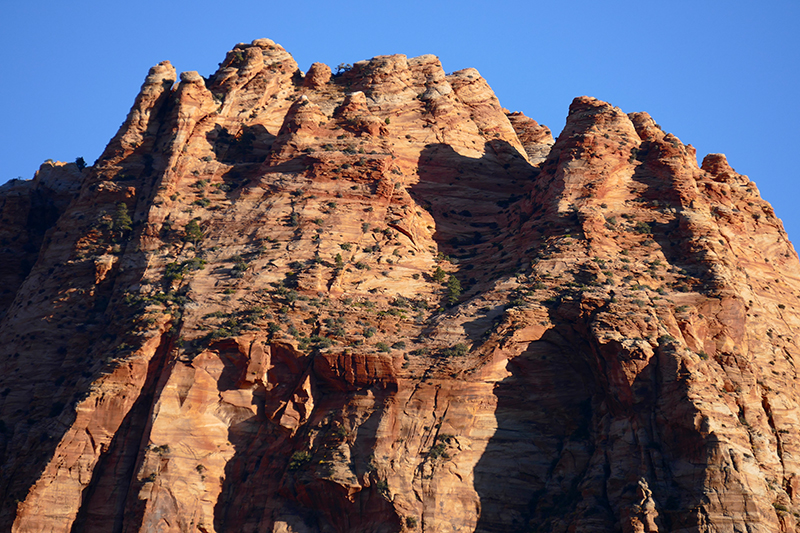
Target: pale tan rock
point(536, 139)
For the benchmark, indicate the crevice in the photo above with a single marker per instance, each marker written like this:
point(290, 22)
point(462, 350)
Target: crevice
point(404, 232)
point(771, 421)
point(104, 499)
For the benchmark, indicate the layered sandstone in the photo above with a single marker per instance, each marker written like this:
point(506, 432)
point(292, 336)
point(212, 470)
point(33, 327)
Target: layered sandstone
point(277, 343)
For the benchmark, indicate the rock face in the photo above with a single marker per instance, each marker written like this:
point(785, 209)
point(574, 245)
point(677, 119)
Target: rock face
point(376, 301)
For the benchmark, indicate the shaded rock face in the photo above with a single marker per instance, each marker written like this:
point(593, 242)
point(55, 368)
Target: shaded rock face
point(377, 301)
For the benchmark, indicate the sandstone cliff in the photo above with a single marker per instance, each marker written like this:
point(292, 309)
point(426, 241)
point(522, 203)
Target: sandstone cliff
point(377, 301)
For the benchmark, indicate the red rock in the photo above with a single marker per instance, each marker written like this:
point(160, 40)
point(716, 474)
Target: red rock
point(273, 345)
point(318, 76)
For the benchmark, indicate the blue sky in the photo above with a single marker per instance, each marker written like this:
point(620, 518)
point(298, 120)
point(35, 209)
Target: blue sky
point(721, 75)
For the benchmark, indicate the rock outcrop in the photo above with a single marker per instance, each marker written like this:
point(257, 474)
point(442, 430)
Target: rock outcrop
point(377, 301)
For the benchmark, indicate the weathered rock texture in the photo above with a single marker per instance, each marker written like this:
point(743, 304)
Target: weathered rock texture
point(276, 340)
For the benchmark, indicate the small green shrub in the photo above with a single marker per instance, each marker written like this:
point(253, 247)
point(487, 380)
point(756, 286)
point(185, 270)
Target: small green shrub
point(438, 450)
point(173, 271)
point(456, 350)
point(383, 487)
point(122, 218)
point(192, 232)
point(399, 302)
point(780, 507)
point(321, 343)
point(195, 263)
point(299, 460)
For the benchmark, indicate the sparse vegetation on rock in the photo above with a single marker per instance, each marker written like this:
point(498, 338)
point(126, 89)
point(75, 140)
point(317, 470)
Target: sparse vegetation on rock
point(455, 322)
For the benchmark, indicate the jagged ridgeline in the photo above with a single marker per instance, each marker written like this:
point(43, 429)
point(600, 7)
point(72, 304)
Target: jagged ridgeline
point(377, 301)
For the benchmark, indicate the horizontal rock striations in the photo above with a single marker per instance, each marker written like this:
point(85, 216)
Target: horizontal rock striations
point(374, 300)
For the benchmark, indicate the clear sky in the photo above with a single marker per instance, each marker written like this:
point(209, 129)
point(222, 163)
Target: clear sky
point(721, 75)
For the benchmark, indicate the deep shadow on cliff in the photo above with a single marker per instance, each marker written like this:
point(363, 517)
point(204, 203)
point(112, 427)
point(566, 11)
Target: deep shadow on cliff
point(105, 498)
point(557, 414)
point(81, 337)
point(280, 475)
point(533, 464)
point(561, 406)
point(564, 406)
point(477, 204)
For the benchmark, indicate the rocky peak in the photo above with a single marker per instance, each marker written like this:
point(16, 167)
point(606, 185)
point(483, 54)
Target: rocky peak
point(378, 301)
point(717, 166)
point(535, 138)
point(318, 76)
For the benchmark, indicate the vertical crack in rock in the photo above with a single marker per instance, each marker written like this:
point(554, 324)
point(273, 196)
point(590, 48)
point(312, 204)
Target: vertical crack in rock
point(104, 499)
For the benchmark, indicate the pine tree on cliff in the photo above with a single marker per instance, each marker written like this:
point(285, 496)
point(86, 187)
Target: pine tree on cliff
point(193, 233)
point(453, 290)
point(122, 218)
